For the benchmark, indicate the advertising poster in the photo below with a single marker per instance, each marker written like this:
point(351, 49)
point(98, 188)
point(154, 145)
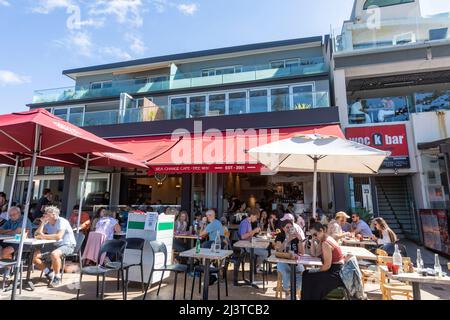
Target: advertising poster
point(435, 230)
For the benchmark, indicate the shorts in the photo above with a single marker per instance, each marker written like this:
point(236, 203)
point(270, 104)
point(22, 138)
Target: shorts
point(47, 249)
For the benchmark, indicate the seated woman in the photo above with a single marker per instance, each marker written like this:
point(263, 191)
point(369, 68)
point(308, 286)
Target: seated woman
point(317, 283)
point(108, 225)
point(289, 240)
point(386, 235)
point(263, 220)
point(98, 215)
point(181, 226)
point(85, 220)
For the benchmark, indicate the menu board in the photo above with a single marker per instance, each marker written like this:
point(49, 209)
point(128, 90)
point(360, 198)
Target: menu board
point(435, 230)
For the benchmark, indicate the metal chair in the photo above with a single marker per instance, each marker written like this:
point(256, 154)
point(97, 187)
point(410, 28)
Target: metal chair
point(160, 247)
point(10, 263)
point(113, 247)
point(134, 244)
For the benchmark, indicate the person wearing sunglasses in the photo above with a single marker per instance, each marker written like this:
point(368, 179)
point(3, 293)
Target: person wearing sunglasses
point(335, 226)
point(360, 227)
point(317, 283)
point(289, 241)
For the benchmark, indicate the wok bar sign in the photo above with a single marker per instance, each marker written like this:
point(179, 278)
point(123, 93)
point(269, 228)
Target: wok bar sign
point(390, 138)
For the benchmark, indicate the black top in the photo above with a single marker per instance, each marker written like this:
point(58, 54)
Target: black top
point(293, 244)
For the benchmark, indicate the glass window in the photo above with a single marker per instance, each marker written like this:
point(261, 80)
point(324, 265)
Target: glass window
point(107, 84)
point(237, 103)
point(258, 101)
point(277, 64)
point(96, 85)
point(238, 69)
point(293, 63)
point(197, 107)
point(76, 116)
point(217, 104)
point(159, 79)
point(303, 97)
point(178, 108)
point(432, 101)
point(379, 110)
point(141, 81)
point(61, 113)
point(436, 182)
point(280, 99)
point(384, 3)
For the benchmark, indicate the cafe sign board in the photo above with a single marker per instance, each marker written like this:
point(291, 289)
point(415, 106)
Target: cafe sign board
point(392, 138)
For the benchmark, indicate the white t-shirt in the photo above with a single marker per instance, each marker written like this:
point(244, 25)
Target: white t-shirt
point(4, 216)
point(106, 226)
point(386, 239)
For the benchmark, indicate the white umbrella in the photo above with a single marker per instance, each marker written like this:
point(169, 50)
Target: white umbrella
point(319, 153)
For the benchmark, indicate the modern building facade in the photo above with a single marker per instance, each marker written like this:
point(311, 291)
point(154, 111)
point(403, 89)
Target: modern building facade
point(261, 91)
point(391, 80)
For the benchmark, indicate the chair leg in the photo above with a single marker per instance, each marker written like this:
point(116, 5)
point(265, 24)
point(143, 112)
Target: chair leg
point(142, 277)
point(218, 285)
point(148, 285)
point(175, 286)
point(160, 282)
point(103, 287)
point(225, 277)
point(79, 286)
point(118, 280)
point(98, 277)
point(200, 283)
point(123, 284)
point(63, 267)
point(185, 283)
point(193, 286)
point(126, 284)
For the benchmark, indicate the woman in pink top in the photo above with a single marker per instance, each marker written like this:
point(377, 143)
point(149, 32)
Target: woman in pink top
point(317, 284)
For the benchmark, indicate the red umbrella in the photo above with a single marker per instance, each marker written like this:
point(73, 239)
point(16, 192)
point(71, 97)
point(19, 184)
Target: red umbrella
point(18, 132)
point(39, 133)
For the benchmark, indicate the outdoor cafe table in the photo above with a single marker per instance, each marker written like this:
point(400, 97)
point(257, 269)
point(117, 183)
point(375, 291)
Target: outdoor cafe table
point(416, 279)
point(207, 255)
point(305, 260)
point(357, 243)
point(359, 253)
point(32, 243)
point(186, 236)
point(251, 246)
point(4, 237)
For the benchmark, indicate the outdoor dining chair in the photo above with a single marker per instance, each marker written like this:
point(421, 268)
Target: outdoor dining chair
point(10, 263)
point(114, 248)
point(135, 244)
point(160, 247)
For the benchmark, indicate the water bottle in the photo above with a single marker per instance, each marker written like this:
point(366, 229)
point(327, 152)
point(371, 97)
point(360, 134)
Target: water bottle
point(217, 244)
point(397, 259)
point(437, 266)
point(197, 245)
point(419, 262)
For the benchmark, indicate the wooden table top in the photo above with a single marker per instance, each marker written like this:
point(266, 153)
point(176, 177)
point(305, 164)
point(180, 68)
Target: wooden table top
point(305, 260)
point(359, 253)
point(185, 236)
point(207, 254)
point(354, 242)
point(257, 244)
point(31, 242)
point(414, 277)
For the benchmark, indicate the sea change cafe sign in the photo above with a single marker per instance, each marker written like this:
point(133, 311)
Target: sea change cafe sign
point(390, 138)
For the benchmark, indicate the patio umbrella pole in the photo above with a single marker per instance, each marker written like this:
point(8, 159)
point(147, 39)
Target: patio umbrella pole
point(13, 185)
point(27, 209)
point(82, 191)
point(314, 206)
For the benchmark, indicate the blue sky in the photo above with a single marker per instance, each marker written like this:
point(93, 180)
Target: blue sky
point(40, 38)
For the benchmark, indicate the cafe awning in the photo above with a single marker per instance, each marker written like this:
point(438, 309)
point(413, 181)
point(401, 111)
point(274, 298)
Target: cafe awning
point(211, 151)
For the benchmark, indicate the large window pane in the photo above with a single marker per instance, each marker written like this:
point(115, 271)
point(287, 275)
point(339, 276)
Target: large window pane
point(432, 101)
point(61, 113)
point(280, 99)
point(237, 102)
point(258, 101)
point(178, 106)
point(76, 116)
point(217, 104)
point(379, 110)
point(197, 107)
point(303, 97)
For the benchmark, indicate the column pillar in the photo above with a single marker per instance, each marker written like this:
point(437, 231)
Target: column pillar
point(340, 94)
point(186, 194)
point(70, 190)
point(115, 189)
point(341, 192)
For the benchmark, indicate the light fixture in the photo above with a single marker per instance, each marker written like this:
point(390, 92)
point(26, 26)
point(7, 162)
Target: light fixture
point(160, 178)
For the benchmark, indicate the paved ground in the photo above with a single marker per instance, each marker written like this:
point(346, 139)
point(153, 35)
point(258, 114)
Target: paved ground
point(68, 292)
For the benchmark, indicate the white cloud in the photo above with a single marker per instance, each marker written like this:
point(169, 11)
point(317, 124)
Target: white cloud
point(126, 11)
point(47, 6)
point(4, 3)
point(137, 45)
point(10, 78)
point(79, 43)
point(187, 9)
point(160, 5)
point(115, 53)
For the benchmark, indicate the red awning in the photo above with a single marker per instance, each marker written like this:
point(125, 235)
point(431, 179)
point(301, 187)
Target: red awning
point(211, 151)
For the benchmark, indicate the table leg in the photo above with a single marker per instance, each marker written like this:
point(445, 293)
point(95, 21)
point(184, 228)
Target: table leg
point(293, 282)
point(30, 266)
point(206, 280)
point(252, 265)
point(416, 291)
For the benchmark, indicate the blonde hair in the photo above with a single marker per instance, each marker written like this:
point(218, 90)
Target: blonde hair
point(384, 226)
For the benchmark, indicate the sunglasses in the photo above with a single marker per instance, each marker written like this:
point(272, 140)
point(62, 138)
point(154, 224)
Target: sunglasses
point(315, 234)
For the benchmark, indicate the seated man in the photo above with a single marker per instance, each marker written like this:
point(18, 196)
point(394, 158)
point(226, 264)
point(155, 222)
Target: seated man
point(213, 228)
point(335, 226)
point(246, 232)
point(53, 227)
point(360, 227)
point(12, 227)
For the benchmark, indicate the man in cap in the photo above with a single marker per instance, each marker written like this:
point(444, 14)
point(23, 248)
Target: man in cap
point(336, 225)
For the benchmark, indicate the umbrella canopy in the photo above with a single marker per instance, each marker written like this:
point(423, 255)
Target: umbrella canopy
point(104, 159)
point(17, 134)
point(25, 161)
point(334, 154)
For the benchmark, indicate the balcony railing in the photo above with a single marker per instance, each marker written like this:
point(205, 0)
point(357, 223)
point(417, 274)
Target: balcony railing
point(209, 108)
point(181, 81)
point(391, 33)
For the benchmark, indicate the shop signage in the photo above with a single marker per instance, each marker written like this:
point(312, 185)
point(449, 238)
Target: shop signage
point(213, 168)
point(390, 138)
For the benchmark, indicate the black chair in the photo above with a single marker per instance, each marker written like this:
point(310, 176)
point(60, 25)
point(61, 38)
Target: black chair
point(160, 247)
point(11, 264)
point(200, 269)
point(112, 247)
point(79, 238)
point(135, 244)
point(390, 249)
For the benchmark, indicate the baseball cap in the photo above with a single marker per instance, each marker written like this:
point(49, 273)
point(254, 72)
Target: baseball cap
point(342, 214)
point(288, 216)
